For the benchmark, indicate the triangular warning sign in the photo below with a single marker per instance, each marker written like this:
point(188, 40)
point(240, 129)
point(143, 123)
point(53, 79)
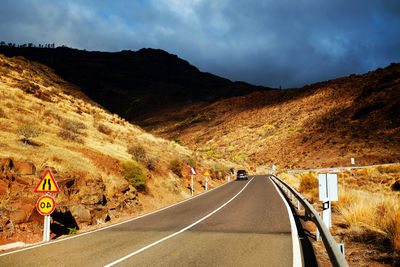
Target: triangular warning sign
point(206, 173)
point(192, 171)
point(48, 184)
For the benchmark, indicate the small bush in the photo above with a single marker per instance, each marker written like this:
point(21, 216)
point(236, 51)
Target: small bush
point(271, 127)
point(237, 159)
point(308, 182)
point(68, 135)
point(28, 131)
point(178, 141)
point(73, 231)
point(191, 162)
point(104, 129)
point(134, 173)
point(176, 167)
point(151, 164)
point(231, 148)
point(73, 126)
point(138, 152)
point(291, 130)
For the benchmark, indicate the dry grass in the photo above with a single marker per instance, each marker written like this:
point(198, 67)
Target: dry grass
point(71, 116)
point(367, 204)
point(378, 215)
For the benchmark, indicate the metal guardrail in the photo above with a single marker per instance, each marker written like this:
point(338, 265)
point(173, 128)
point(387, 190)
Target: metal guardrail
point(339, 169)
point(336, 257)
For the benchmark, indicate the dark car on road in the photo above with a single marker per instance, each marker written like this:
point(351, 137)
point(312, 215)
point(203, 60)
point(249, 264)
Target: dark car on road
point(241, 174)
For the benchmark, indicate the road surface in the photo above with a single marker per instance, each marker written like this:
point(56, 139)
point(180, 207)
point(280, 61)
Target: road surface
point(243, 223)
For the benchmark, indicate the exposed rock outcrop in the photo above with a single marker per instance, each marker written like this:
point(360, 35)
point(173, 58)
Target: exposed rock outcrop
point(82, 201)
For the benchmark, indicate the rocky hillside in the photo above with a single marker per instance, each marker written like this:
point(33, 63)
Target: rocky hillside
point(319, 125)
point(106, 168)
point(136, 85)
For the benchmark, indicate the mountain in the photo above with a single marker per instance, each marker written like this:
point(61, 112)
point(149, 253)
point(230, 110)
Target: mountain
point(318, 125)
point(136, 85)
point(107, 168)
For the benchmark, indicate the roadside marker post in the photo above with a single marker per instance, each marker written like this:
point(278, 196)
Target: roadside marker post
point(192, 172)
point(46, 204)
point(328, 191)
point(206, 174)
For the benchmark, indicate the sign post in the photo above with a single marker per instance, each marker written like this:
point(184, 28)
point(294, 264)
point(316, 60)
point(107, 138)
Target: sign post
point(274, 169)
point(328, 191)
point(46, 204)
point(192, 172)
point(206, 174)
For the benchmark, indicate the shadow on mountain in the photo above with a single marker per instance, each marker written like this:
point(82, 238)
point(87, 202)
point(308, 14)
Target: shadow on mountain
point(134, 84)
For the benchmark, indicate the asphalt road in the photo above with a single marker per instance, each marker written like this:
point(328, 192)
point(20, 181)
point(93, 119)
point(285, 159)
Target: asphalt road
point(243, 223)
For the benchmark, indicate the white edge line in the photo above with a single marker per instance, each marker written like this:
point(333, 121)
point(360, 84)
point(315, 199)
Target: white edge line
point(40, 244)
point(297, 261)
point(179, 232)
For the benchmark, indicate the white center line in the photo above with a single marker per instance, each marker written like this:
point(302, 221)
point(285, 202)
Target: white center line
point(177, 233)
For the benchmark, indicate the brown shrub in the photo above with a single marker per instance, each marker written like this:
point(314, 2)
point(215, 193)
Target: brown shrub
point(308, 182)
point(138, 152)
point(68, 135)
point(152, 164)
point(73, 126)
point(104, 129)
point(176, 167)
point(28, 131)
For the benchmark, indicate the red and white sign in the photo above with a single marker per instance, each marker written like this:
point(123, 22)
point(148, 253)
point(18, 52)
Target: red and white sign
point(192, 171)
point(45, 205)
point(48, 184)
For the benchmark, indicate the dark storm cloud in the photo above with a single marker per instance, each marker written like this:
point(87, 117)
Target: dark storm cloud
point(288, 43)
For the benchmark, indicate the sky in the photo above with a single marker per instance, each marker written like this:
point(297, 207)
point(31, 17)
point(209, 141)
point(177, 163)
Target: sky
point(288, 43)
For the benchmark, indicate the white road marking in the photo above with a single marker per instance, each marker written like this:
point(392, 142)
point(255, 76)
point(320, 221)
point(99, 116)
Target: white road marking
point(297, 261)
point(179, 232)
point(109, 226)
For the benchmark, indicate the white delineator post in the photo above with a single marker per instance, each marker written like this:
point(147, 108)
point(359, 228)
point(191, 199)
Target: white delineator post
point(327, 214)
point(206, 173)
point(192, 185)
point(191, 173)
point(328, 191)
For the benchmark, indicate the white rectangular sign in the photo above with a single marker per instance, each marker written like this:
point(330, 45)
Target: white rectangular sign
point(328, 189)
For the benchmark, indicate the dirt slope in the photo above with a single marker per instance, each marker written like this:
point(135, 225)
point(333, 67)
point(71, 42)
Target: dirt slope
point(48, 123)
point(319, 125)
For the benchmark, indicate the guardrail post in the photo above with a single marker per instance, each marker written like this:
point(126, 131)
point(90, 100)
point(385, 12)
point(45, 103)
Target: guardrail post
point(317, 234)
point(293, 198)
point(298, 205)
point(341, 247)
